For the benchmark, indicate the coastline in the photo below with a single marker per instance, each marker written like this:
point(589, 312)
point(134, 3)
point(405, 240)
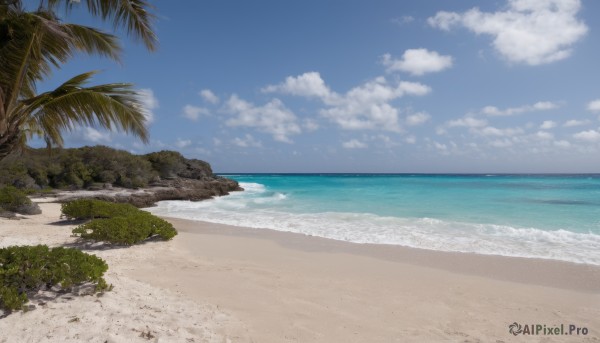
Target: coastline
point(220, 283)
point(302, 288)
point(543, 272)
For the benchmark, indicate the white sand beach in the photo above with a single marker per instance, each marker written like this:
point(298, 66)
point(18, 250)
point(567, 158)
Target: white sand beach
point(217, 283)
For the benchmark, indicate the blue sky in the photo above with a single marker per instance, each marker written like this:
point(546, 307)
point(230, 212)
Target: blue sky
point(366, 86)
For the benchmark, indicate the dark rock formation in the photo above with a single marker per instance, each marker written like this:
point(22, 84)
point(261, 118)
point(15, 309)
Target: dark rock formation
point(194, 181)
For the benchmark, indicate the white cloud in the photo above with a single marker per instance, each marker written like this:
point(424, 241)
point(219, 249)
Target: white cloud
point(182, 143)
point(354, 144)
point(410, 139)
point(440, 146)
point(418, 62)
point(467, 121)
point(247, 142)
point(588, 136)
point(193, 112)
point(208, 96)
point(574, 122)
point(307, 85)
point(538, 106)
point(310, 124)
point(562, 144)
point(547, 125)
point(533, 32)
point(544, 135)
point(273, 118)
point(501, 143)
point(493, 131)
point(417, 119)
point(368, 106)
point(363, 107)
point(149, 103)
point(594, 106)
point(94, 136)
point(202, 151)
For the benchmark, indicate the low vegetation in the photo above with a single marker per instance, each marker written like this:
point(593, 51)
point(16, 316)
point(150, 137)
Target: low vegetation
point(13, 200)
point(28, 269)
point(95, 167)
point(113, 223)
point(92, 209)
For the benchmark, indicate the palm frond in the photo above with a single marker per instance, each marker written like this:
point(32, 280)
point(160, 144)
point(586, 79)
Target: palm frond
point(71, 105)
point(91, 40)
point(132, 15)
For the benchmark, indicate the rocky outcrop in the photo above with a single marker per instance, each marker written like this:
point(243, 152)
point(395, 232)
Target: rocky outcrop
point(175, 189)
point(181, 179)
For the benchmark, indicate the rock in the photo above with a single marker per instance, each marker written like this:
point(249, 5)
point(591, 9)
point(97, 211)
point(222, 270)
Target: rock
point(178, 188)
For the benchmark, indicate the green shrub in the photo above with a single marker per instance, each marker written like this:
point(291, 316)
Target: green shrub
point(25, 269)
point(15, 200)
point(116, 223)
point(129, 229)
point(91, 209)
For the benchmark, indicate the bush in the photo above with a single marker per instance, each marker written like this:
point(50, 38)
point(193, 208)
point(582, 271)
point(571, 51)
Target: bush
point(116, 223)
point(91, 209)
point(30, 268)
point(15, 200)
point(131, 229)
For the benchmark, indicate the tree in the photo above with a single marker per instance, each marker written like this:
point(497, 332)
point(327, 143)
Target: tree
point(32, 43)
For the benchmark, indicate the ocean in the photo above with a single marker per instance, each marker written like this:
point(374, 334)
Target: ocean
point(538, 216)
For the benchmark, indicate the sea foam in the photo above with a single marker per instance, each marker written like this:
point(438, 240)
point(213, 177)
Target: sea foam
point(257, 208)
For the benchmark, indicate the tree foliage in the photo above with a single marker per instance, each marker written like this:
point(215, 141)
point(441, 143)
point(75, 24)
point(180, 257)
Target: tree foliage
point(32, 43)
point(96, 166)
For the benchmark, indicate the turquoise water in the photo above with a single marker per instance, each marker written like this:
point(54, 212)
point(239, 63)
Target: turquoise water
point(544, 216)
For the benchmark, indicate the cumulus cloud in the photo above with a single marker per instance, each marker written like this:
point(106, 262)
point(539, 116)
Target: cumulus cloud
point(368, 106)
point(538, 106)
point(310, 124)
point(575, 122)
point(467, 121)
point(562, 144)
point(440, 146)
point(193, 112)
point(208, 96)
point(493, 131)
point(594, 106)
point(547, 125)
point(307, 85)
point(544, 135)
point(354, 144)
point(417, 119)
point(591, 136)
point(418, 62)
point(247, 142)
point(149, 103)
point(363, 107)
point(182, 143)
point(273, 118)
point(92, 135)
point(533, 32)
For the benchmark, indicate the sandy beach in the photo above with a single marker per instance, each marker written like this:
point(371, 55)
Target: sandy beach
point(217, 283)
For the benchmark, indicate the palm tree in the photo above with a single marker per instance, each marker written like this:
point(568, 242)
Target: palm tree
point(34, 42)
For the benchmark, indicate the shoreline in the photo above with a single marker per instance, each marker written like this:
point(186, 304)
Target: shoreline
point(549, 272)
point(219, 283)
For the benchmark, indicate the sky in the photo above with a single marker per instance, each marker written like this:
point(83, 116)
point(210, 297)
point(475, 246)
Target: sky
point(383, 86)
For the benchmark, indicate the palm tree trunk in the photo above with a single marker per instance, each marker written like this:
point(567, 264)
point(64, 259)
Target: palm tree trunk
point(9, 143)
